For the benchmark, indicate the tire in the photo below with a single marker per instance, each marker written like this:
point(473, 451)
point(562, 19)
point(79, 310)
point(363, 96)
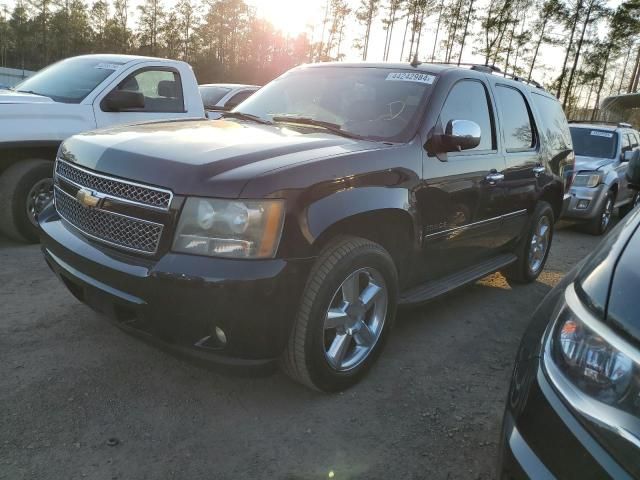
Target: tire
point(525, 270)
point(625, 209)
point(17, 184)
point(599, 225)
point(312, 343)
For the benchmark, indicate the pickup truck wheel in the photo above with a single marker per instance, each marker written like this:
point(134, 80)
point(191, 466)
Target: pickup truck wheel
point(601, 222)
point(347, 309)
point(625, 209)
point(534, 247)
point(25, 188)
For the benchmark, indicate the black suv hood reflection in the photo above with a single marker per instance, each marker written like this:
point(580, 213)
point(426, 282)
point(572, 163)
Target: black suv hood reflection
point(189, 157)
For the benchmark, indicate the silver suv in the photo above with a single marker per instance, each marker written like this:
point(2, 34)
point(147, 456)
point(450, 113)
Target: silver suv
point(602, 152)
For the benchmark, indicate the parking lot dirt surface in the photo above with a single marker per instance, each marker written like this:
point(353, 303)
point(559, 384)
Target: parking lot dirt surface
point(79, 398)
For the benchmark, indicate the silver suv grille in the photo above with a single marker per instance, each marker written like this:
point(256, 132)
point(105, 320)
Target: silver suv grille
point(133, 192)
point(97, 221)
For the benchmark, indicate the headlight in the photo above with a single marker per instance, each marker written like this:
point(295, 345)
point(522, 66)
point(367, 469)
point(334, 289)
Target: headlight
point(589, 354)
point(230, 228)
point(587, 179)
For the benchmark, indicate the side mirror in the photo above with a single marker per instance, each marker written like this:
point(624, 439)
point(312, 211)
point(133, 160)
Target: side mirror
point(627, 156)
point(633, 172)
point(122, 100)
point(461, 135)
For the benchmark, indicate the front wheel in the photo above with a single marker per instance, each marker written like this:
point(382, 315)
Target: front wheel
point(26, 187)
point(534, 246)
point(346, 312)
point(601, 222)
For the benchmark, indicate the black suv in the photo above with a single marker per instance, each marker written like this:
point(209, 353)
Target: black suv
point(294, 227)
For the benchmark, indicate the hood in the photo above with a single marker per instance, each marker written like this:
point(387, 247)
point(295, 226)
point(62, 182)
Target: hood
point(11, 96)
point(624, 302)
point(591, 163)
point(609, 282)
point(202, 157)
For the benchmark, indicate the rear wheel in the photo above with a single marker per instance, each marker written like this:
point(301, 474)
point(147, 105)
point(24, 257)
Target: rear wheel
point(601, 222)
point(26, 188)
point(534, 247)
point(625, 209)
point(347, 309)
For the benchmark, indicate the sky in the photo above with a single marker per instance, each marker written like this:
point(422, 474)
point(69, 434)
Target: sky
point(293, 17)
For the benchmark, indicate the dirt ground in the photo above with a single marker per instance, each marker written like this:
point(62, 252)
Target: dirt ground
point(431, 408)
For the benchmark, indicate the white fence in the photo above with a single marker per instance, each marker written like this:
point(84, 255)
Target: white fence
point(13, 76)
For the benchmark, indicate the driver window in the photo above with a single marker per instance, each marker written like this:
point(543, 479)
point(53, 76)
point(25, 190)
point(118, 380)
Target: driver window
point(626, 144)
point(162, 90)
point(468, 100)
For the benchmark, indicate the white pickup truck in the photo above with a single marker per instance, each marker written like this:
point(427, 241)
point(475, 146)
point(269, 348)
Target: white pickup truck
point(71, 96)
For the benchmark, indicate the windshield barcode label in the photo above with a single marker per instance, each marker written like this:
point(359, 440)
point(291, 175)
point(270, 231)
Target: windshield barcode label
point(411, 77)
point(597, 133)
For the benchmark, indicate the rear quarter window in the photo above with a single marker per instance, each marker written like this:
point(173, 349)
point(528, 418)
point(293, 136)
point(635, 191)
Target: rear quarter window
point(553, 123)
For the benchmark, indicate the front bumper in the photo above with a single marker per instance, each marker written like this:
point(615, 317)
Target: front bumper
point(596, 197)
point(177, 300)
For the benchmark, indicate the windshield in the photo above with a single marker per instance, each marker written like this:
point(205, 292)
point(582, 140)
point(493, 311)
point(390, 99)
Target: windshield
point(373, 103)
point(593, 143)
point(69, 81)
point(212, 95)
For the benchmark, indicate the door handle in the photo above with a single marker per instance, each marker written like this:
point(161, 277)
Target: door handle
point(494, 177)
point(539, 170)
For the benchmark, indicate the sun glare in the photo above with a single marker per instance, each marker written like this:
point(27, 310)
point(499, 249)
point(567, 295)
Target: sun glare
point(292, 17)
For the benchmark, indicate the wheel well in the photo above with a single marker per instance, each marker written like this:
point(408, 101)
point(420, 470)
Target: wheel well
point(553, 196)
point(391, 229)
point(9, 156)
point(614, 189)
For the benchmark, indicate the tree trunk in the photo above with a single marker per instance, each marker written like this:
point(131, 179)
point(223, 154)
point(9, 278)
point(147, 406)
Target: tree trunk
point(404, 39)
point(393, 22)
point(604, 71)
point(636, 70)
point(566, 56)
point(435, 41)
point(466, 30)
point(624, 70)
point(538, 43)
point(577, 57)
point(455, 31)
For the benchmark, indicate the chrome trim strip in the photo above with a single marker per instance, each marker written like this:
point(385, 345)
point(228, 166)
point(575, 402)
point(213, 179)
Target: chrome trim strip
point(517, 213)
point(469, 226)
point(107, 242)
point(115, 179)
point(598, 412)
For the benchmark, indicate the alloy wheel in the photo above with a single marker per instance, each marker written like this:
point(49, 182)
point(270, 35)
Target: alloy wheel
point(539, 244)
point(606, 214)
point(355, 319)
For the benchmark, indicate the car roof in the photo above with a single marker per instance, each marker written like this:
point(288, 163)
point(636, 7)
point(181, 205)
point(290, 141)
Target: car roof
point(595, 125)
point(437, 69)
point(110, 57)
point(229, 85)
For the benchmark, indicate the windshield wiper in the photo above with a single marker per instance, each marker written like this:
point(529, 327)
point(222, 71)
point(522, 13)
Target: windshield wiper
point(246, 116)
point(332, 127)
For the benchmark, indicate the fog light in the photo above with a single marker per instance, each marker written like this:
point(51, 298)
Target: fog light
point(583, 204)
point(222, 338)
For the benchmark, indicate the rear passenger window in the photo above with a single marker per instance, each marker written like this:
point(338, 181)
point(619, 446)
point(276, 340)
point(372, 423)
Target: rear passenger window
point(468, 100)
point(626, 143)
point(634, 139)
point(516, 121)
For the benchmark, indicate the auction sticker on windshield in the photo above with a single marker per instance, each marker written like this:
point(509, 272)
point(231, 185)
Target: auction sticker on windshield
point(598, 133)
point(411, 77)
point(107, 66)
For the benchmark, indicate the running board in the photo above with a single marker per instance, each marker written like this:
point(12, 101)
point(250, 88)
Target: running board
point(430, 290)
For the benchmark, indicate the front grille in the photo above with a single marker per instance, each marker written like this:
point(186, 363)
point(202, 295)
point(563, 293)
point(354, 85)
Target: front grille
point(133, 192)
point(112, 228)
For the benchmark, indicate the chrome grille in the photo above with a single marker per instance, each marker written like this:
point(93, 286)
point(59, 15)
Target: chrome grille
point(112, 228)
point(133, 192)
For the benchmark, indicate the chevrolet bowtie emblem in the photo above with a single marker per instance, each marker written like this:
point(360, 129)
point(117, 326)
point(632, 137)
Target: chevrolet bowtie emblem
point(88, 198)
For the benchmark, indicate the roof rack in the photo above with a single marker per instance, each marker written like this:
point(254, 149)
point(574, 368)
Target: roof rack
point(603, 122)
point(490, 69)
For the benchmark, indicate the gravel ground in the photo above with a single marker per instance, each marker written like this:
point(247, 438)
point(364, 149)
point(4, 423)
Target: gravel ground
point(431, 408)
